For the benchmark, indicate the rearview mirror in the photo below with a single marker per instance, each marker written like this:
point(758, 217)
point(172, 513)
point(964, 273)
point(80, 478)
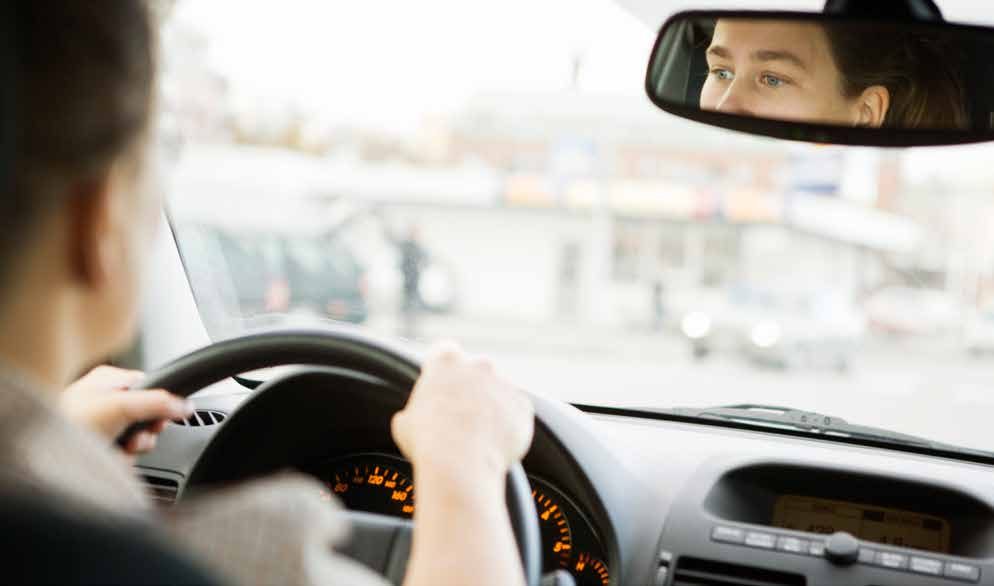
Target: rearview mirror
point(827, 78)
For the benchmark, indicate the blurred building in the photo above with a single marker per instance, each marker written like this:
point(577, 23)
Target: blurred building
point(196, 101)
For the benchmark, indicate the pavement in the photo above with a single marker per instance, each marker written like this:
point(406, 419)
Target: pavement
point(931, 388)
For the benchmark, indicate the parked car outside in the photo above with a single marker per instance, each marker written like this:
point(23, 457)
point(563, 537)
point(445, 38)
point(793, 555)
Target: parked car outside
point(775, 327)
point(979, 332)
point(272, 272)
point(907, 311)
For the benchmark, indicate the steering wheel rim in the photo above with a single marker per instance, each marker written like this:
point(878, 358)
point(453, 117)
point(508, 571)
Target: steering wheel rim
point(341, 348)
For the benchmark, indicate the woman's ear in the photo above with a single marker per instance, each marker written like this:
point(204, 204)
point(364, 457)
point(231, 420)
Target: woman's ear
point(90, 246)
point(873, 105)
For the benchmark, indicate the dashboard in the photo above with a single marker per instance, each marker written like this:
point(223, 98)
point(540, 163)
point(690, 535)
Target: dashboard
point(382, 483)
point(631, 497)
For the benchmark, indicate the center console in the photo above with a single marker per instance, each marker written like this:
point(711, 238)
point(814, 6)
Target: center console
point(786, 524)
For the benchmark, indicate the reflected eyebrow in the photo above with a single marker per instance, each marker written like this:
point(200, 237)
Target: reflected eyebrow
point(780, 56)
point(719, 51)
point(762, 55)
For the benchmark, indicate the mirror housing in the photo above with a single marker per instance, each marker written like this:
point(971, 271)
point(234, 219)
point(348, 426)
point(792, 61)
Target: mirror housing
point(915, 10)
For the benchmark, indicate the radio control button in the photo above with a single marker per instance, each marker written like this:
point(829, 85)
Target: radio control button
point(760, 540)
point(894, 561)
point(926, 566)
point(728, 535)
point(793, 545)
point(867, 556)
point(964, 572)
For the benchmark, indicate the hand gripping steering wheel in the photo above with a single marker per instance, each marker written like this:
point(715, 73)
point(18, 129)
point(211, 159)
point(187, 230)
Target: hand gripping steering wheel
point(376, 537)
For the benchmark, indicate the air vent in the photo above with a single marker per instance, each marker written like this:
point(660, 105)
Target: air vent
point(161, 490)
point(202, 417)
point(696, 572)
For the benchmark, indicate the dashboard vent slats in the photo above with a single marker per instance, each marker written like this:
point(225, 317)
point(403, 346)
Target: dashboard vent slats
point(163, 491)
point(697, 572)
point(202, 417)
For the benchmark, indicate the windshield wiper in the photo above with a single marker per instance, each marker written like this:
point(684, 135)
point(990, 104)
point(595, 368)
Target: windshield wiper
point(772, 416)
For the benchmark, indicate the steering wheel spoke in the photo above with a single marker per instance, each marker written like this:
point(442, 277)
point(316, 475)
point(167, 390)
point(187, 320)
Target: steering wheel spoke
point(381, 543)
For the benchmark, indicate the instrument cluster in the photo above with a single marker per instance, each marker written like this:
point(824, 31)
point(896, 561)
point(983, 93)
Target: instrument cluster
point(383, 484)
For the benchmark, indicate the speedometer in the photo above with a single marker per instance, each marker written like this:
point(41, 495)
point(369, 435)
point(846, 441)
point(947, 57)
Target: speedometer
point(374, 483)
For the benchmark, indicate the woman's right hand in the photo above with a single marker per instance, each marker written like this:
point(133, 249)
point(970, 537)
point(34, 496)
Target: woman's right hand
point(461, 412)
point(463, 428)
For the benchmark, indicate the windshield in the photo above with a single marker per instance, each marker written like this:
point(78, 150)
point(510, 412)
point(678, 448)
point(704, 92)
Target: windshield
point(492, 173)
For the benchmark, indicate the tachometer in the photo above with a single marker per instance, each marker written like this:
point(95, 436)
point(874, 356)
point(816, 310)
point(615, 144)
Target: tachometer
point(569, 541)
point(557, 539)
point(373, 483)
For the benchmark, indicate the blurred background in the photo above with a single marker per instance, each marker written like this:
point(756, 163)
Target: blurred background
point(492, 173)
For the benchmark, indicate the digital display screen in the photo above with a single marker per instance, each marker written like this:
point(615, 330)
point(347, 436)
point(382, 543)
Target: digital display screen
point(867, 522)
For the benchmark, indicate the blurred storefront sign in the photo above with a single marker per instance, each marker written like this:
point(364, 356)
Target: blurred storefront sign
point(818, 169)
point(530, 190)
point(583, 194)
point(752, 206)
point(654, 199)
point(573, 158)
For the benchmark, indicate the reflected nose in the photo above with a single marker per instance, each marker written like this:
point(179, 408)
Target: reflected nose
point(735, 101)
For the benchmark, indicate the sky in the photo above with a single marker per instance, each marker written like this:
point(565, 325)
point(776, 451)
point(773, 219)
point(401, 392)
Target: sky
point(392, 61)
point(387, 63)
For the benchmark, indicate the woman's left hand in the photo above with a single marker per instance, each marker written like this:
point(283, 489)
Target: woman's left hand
point(100, 401)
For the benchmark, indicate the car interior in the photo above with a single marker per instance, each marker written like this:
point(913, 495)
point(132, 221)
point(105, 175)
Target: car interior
point(609, 494)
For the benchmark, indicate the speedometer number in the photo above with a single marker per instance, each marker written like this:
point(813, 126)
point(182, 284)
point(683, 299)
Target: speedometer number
point(373, 483)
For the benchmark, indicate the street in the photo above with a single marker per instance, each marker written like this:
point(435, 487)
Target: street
point(933, 390)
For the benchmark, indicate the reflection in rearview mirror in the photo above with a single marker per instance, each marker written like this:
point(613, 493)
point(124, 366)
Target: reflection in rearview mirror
point(828, 71)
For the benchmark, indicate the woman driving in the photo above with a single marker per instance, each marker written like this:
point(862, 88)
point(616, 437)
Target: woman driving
point(77, 221)
point(844, 74)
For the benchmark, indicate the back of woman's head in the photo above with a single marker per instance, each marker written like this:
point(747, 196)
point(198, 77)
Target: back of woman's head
point(84, 79)
point(919, 72)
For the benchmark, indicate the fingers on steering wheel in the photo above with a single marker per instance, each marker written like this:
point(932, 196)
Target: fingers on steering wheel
point(446, 351)
point(399, 429)
point(484, 365)
point(140, 443)
point(153, 404)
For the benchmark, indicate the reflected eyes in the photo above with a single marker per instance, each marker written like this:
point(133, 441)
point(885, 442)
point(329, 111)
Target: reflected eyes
point(767, 79)
point(722, 74)
point(772, 81)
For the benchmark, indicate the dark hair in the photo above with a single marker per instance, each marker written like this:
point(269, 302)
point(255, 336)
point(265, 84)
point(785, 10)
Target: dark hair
point(84, 78)
point(918, 71)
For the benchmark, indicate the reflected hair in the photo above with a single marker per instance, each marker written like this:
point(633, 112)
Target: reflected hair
point(925, 89)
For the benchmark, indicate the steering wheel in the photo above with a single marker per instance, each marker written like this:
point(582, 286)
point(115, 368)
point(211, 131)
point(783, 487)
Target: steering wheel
point(379, 541)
